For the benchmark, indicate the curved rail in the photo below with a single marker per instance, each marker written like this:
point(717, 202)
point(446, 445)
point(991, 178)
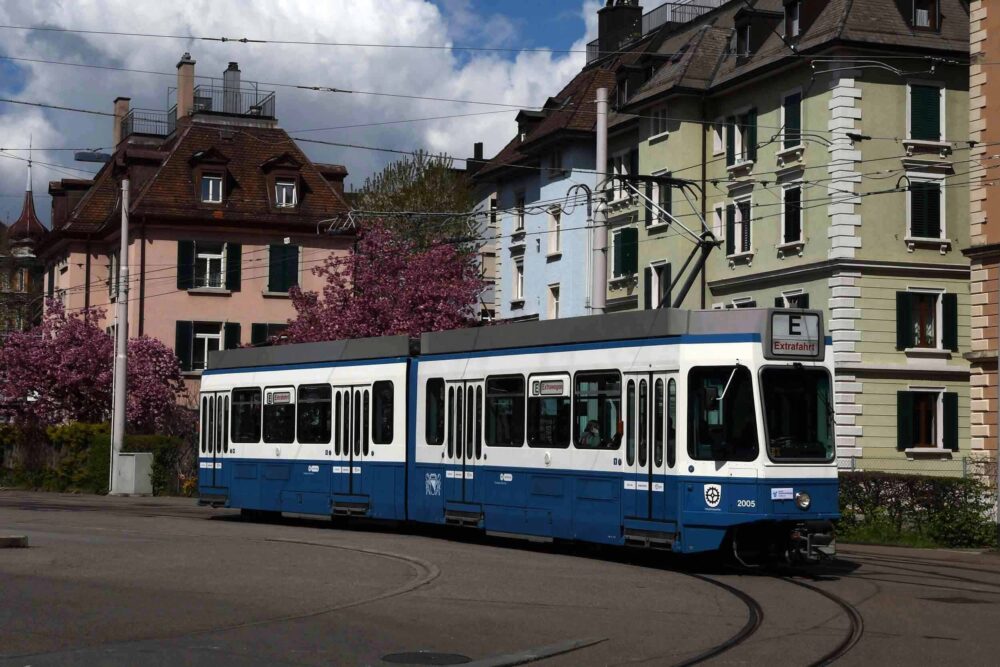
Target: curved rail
point(755, 617)
point(855, 630)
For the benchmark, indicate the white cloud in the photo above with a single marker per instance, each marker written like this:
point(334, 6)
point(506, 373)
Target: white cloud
point(525, 80)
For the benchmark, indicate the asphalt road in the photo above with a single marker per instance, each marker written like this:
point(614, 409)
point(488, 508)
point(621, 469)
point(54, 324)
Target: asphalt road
point(130, 581)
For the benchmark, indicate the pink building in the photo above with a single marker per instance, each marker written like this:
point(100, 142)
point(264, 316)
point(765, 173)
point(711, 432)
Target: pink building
point(226, 214)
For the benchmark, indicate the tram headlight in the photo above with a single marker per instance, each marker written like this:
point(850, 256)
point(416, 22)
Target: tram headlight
point(803, 500)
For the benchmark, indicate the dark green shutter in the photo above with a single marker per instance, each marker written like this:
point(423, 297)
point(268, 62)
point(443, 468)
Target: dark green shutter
point(949, 432)
point(730, 142)
point(925, 210)
point(750, 135)
point(933, 199)
point(183, 343)
point(230, 336)
point(630, 250)
point(904, 420)
point(949, 312)
point(650, 219)
point(647, 288)
point(746, 220)
point(291, 266)
point(731, 229)
point(185, 264)
point(275, 255)
point(793, 215)
point(616, 265)
point(667, 198)
point(925, 113)
point(258, 334)
point(904, 320)
point(793, 120)
point(803, 301)
point(234, 269)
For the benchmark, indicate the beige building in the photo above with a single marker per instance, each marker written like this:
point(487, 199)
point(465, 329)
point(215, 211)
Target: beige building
point(226, 214)
point(824, 145)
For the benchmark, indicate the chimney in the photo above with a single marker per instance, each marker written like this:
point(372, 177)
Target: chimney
point(185, 86)
point(475, 163)
point(618, 23)
point(231, 89)
point(477, 150)
point(121, 110)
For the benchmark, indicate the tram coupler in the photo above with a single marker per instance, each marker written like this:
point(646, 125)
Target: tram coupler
point(812, 542)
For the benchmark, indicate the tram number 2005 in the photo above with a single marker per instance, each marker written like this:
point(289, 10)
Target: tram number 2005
point(750, 504)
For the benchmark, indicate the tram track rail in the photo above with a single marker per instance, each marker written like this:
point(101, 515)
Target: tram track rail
point(755, 618)
point(856, 623)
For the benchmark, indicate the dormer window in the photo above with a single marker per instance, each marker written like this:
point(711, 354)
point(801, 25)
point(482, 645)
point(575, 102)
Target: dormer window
point(793, 14)
point(742, 40)
point(926, 14)
point(211, 188)
point(285, 195)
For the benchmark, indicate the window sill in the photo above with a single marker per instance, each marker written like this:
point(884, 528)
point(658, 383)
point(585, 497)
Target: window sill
point(267, 294)
point(618, 282)
point(927, 352)
point(210, 291)
point(657, 226)
point(913, 242)
point(942, 148)
point(554, 256)
point(740, 258)
point(740, 168)
point(792, 248)
point(517, 304)
point(657, 138)
point(928, 451)
point(788, 155)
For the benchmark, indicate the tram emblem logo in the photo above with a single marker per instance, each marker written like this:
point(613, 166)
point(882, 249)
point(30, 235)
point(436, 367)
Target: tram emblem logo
point(432, 483)
point(713, 495)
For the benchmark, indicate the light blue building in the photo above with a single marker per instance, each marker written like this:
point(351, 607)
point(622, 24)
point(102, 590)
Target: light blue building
point(541, 230)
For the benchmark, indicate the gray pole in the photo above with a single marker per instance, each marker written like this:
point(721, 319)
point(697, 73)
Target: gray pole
point(600, 250)
point(121, 346)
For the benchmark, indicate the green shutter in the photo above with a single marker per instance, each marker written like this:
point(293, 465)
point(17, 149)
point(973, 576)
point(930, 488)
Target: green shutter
point(949, 432)
point(258, 334)
point(750, 135)
point(647, 288)
point(234, 259)
point(183, 342)
point(933, 198)
point(925, 113)
point(779, 302)
point(648, 205)
point(746, 221)
point(185, 265)
point(793, 120)
point(925, 210)
point(230, 336)
point(949, 312)
point(730, 142)
point(804, 301)
point(904, 420)
point(630, 251)
point(904, 320)
point(616, 266)
point(731, 230)
point(291, 266)
point(793, 215)
point(275, 269)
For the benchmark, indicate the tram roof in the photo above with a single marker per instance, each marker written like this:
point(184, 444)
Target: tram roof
point(357, 349)
point(633, 325)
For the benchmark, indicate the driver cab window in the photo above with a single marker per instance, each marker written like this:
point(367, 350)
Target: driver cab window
point(723, 423)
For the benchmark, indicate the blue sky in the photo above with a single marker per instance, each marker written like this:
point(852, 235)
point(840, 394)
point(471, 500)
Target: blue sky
point(554, 24)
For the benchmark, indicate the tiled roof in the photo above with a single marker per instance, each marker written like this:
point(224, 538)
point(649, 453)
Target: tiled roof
point(27, 226)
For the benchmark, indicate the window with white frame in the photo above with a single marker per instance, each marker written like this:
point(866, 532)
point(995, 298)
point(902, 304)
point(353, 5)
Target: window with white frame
point(926, 319)
point(518, 280)
point(796, 298)
point(656, 278)
point(741, 138)
point(285, 195)
point(926, 14)
point(209, 264)
point(625, 252)
point(620, 166)
point(739, 232)
point(658, 122)
point(791, 214)
point(553, 302)
point(926, 418)
point(211, 188)
point(207, 338)
point(793, 18)
point(555, 230)
point(663, 195)
point(719, 223)
point(744, 302)
point(519, 213)
point(926, 111)
point(493, 212)
point(925, 210)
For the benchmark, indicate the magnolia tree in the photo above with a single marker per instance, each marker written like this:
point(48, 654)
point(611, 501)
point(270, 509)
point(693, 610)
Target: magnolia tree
point(389, 286)
point(61, 371)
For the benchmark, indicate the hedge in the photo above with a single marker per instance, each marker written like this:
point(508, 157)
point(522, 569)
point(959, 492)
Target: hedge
point(916, 509)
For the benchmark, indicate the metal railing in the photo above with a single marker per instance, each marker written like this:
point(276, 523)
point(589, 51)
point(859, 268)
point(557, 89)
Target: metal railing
point(675, 12)
point(940, 466)
point(147, 121)
point(234, 102)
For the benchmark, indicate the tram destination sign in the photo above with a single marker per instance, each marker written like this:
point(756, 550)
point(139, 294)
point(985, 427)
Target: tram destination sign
point(795, 334)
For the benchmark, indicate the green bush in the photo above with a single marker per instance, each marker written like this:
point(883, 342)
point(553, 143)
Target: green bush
point(916, 510)
point(167, 453)
point(83, 457)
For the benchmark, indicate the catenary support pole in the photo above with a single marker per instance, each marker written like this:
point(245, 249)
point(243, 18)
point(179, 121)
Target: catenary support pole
point(600, 250)
point(121, 346)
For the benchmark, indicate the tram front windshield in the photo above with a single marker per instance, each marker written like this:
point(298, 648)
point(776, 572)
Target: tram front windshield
point(723, 423)
point(798, 413)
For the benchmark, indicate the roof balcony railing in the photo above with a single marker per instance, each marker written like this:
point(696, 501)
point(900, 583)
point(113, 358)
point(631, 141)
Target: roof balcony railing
point(147, 121)
point(234, 101)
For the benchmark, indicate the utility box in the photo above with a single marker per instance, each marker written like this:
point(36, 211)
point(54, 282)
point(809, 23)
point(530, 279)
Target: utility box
point(134, 474)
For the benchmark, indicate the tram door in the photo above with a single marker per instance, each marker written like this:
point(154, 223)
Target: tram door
point(351, 437)
point(464, 442)
point(650, 427)
point(214, 437)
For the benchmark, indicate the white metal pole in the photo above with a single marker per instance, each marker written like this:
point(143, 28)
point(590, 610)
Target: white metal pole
point(121, 346)
point(599, 279)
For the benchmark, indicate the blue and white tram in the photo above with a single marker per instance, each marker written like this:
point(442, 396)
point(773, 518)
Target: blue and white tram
point(688, 430)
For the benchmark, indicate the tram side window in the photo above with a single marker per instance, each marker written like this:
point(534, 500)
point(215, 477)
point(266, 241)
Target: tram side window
point(505, 411)
point(722, 424)
point(314, 416)
point(671, 423)
point(597, 398)
point(279, 419)
point(204, 424)
point(246, 415)
point(382, 415)
point(549, 421)
point(434, 426)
